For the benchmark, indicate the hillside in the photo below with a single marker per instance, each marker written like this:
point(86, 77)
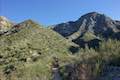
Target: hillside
point(29, 42)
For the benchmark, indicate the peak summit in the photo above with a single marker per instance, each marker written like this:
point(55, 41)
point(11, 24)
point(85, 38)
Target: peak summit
point(28, 23)
point(93, 13)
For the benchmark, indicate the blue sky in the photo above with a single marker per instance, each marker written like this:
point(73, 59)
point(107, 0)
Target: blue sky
point(49, 12)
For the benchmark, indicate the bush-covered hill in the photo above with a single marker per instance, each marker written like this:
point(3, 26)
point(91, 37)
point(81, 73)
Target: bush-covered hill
point(28, 43)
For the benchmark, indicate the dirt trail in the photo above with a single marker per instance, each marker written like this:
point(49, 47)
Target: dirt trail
point(56, 74)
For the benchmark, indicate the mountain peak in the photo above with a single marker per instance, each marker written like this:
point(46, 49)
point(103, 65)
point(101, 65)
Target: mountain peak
point(94, 22)
point(93, 13)
point(29, 21)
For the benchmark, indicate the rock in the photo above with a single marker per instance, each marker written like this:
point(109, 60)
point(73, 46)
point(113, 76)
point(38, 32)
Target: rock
point(29, 60)
point(35, 56)
point(5, 25)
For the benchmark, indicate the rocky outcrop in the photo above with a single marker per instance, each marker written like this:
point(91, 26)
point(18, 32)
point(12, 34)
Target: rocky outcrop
point(5, 25)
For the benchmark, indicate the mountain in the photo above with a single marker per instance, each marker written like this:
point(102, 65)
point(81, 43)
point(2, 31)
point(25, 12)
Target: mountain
point(98, 25)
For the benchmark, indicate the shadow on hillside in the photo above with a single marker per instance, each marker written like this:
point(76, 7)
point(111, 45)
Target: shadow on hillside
point(94, 43)
point(74, 49)
point(116, 36)
point(114, 61)
point(82, 70)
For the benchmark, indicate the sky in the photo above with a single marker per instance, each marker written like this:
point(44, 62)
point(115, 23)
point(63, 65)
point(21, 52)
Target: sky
point(49, 12)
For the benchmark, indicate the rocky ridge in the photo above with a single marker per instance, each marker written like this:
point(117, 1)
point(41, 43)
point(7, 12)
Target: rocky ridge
point(95, 23)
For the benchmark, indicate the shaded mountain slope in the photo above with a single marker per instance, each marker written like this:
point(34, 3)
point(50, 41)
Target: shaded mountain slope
point(98, 25)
